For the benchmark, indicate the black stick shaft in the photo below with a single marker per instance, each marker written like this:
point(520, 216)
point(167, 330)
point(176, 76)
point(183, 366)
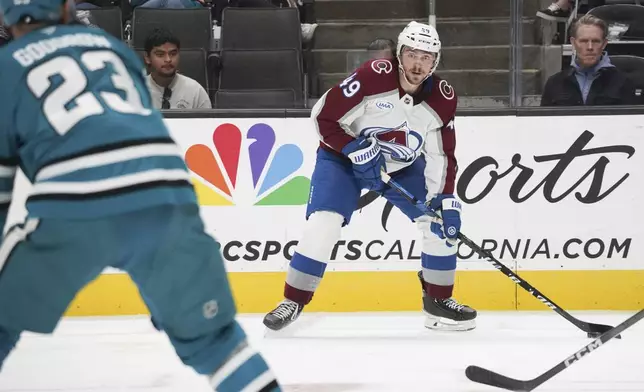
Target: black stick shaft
point(592, 329)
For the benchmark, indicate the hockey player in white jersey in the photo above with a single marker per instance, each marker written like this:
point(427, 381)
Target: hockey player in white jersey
point(398, 116)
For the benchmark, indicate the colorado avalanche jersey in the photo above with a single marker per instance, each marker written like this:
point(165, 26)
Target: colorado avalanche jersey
point(371, 102)
point(77, 118)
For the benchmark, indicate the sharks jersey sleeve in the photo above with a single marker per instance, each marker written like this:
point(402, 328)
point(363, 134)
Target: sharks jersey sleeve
point(77, 118)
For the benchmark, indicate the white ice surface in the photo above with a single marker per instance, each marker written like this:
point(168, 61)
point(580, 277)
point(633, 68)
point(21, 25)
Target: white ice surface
point(335, 353)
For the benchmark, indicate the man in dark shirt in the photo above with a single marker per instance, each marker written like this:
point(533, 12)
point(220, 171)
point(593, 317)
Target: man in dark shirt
point(591, 79)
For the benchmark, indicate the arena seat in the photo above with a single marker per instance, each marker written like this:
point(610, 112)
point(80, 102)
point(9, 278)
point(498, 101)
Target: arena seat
point(633, 66)
point(261, 50)
point(193, 26)
point(629, 14)
point(109, 19)
point(262, 69)
point(638, 2)
point(255, 99)
point(260, 28)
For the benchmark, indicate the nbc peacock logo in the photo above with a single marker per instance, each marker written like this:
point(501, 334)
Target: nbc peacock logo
point(250, 169)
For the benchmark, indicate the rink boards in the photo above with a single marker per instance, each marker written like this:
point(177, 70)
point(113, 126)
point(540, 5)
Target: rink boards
point(557, 199)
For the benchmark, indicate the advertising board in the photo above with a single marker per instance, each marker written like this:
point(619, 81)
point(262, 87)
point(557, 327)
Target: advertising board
point(554, 198)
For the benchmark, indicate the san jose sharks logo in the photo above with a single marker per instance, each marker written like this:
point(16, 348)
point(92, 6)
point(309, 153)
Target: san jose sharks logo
point(401, 143)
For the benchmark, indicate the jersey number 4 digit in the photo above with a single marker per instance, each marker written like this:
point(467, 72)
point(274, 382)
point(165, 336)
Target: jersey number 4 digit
point(63, 117)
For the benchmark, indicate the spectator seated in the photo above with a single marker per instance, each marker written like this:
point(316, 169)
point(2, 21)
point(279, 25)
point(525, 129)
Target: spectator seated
point(591, 78)
point(169, 88)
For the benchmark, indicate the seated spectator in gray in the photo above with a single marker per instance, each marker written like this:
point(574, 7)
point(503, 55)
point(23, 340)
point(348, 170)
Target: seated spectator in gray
point(170, 89)
point(382, 48)
point(591, 79)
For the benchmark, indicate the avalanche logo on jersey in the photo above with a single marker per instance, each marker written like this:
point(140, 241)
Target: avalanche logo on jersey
point(401, 143)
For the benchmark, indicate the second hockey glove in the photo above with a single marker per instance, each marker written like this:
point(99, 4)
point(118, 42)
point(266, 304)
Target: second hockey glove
point(450, 211)
point(367, 161)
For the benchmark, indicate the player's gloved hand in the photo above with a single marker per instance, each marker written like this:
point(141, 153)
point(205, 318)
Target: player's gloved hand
point(450, 210)
point(367, 161)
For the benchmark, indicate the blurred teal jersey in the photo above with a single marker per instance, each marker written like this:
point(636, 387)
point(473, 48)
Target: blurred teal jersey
point(77, 118)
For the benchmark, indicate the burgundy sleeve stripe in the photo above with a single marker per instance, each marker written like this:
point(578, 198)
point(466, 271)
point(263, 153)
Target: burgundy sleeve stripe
point(448, 138)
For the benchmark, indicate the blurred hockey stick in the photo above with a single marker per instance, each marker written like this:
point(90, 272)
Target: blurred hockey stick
point(487, 377)
point(593, 330)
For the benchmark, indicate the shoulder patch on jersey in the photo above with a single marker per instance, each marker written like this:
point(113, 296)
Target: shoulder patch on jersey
point(382, 66)
point(384, 105)
point(446, 90)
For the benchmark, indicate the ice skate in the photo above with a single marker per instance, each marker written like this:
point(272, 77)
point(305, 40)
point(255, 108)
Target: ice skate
point(446, 314)
point(283, 315)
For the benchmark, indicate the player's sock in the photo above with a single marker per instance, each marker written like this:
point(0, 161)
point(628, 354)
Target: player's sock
point(306, 269)
point(444, 313)
point(8, 341)
point(244, 370)
point(223, 355)
point(439, 273)
point(302, 279)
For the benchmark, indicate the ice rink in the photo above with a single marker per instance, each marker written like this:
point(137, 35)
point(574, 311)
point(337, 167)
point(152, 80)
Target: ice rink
point(335, 352)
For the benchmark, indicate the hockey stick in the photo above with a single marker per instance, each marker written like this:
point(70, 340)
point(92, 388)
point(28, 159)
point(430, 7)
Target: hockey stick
point(487, 377)
point(593, 330)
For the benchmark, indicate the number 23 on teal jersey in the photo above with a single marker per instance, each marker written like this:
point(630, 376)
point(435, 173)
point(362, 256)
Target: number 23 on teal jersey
point(72, 89)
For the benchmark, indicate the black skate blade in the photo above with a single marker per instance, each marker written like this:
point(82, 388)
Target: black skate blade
point(273, 334)
point(297, 329)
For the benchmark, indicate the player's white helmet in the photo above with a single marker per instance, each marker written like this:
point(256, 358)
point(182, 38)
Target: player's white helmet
point(422, 37)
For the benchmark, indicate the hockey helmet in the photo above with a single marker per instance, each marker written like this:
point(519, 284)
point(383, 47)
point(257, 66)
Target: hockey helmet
point(15, 11)
point(422, 37)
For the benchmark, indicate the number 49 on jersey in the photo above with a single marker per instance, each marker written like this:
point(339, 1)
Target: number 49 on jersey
point(349, 86)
